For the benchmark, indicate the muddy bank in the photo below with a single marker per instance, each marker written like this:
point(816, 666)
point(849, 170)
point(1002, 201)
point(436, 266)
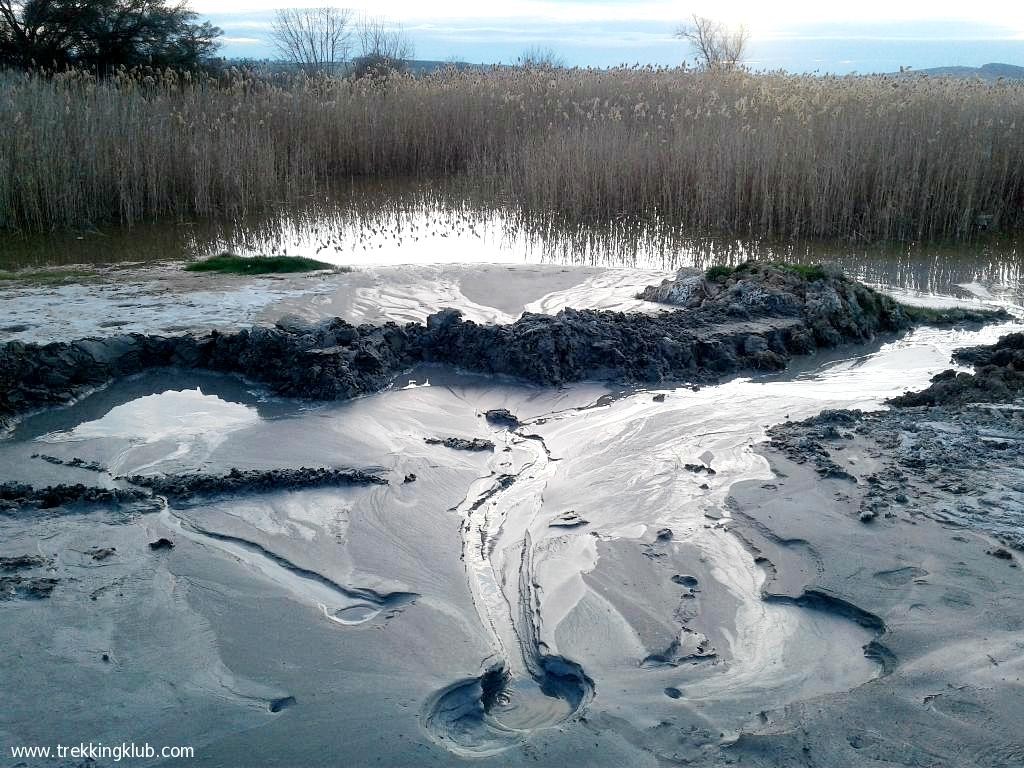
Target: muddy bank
point(915, 516)
point(952, 452)
point(998, 376)
point(756, 318)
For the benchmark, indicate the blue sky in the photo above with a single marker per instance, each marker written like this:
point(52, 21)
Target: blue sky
point(800, 36)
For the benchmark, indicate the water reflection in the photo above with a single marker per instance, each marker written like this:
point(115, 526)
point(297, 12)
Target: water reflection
point(179, 415)
point(390, 223)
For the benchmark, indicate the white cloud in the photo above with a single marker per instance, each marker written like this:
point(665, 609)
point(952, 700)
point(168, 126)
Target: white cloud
point(769, 18)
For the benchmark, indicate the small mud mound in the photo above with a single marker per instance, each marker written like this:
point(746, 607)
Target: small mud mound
point(486, 715)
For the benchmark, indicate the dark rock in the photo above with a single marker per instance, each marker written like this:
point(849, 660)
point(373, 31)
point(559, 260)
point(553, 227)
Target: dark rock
point(1000, 552)
point(502, 417)
point(673, 693)
point(161, 544)
point(659, 398)
point(665, 534)
point(75, 462)
point(253, 480)
point(998, 377)
point(686, 581)
point(92, 466)
point(697, 468)
point(461, 443)
point(410, 478)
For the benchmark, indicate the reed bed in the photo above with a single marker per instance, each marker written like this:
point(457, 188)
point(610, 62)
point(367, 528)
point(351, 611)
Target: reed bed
point(871, 158)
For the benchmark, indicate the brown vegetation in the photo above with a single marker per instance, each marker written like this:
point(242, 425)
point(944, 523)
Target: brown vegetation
point(723, 150)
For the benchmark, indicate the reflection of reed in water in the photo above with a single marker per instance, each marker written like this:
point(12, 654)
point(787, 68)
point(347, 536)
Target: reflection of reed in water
point(400, 222)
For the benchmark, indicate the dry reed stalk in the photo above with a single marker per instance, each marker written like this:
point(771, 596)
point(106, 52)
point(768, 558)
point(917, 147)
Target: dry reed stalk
point(875, 158)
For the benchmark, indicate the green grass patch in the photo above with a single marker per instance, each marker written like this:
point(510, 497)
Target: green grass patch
point(951, 315)
point(924, 315)
point(230, 264)
point(46, 276)
point(718, 272)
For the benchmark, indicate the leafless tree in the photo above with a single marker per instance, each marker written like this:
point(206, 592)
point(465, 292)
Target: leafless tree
point(317, 40)
point(714, 44)
point(540, 57)
point(383, 48)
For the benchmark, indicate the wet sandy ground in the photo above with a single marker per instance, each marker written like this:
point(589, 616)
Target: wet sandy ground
point(584, 593)
point(953, 693)
point(581, 558)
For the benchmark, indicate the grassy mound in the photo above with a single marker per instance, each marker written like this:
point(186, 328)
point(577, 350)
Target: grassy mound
point(230, 264)
point(720, 272)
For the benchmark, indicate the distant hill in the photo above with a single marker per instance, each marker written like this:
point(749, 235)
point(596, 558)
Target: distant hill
point(984, 72)
point(423, 66)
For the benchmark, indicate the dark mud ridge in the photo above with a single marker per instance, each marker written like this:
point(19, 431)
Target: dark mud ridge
point(952, 452)
point(998, 377)
point(755, 318)
point(14, 496)
point(461, 443)
point(17, 495)
point(254, 480)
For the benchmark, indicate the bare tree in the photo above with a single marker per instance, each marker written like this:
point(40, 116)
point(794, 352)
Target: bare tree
point(714, 44)
point(540, 57)
point(383, 48)
point(317, 40)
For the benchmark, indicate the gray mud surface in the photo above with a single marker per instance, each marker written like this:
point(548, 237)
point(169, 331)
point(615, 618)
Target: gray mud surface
point(915, 515)
point(618, 575)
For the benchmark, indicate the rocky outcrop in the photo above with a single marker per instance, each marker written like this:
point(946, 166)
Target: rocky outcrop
point(754, 318)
